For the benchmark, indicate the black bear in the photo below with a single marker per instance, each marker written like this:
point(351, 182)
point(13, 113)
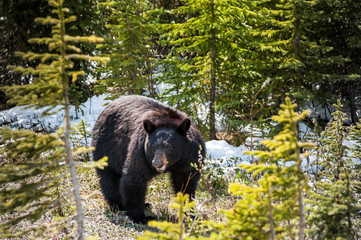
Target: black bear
point(142, 138)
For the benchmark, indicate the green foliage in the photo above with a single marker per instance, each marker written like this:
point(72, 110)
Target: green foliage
point(29, 187)
point(17, 24)
point(355, 172)
point(38, 181)
point(172, 230)
point(273, 208)
point(46, 88)
point(334, 204)
point(238, 59)
point(339, 23)
point(241, 58)
point(194, 67)
point(129, 47)
point(80, 137)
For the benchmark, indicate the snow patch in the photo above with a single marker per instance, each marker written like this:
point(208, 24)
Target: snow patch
point(223, 154)
point(220, 149)
point(92, 108)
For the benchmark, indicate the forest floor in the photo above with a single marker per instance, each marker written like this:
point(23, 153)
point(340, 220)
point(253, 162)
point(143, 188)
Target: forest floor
point(100, 223)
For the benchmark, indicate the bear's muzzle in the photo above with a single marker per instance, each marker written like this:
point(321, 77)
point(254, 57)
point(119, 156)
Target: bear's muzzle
point(159, 166)
point(160, 161)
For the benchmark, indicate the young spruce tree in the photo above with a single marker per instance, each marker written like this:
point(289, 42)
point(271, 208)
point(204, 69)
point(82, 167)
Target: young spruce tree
point(194, 67)
point(334, 205)
point(274, 208)
point(129, 47)
point(38, 165)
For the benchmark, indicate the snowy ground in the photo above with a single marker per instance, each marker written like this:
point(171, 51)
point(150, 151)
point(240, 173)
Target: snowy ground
point(219, 152)
point(90, 112)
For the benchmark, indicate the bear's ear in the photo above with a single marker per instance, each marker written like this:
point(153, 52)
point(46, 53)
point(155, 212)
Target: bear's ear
point(149, 126)
point(184, 126)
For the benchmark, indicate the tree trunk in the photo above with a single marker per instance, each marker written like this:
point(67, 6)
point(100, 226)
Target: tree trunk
point(212, 112)
point(149, 70)
point(132, 73)
point(72, 169)
point(271, 220)
point(350, 95)
point(301, 232)
point(68, 151)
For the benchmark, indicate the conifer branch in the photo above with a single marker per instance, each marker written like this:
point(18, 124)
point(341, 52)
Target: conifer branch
point(39, 177)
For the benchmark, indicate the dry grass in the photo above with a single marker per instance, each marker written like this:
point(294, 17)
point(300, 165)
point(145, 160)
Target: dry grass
point(100, 223)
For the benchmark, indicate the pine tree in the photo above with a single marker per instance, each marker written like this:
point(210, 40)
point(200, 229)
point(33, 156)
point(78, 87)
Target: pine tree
point(129, 48)
point(274, 208)
point(248, 89)
point(355, 173)
point(293, 61)
point(17, 24)
point(338, 28)
point(355, 134)
point(194, 67)
point(43, 162)
point(334, 204)
point(313, 48)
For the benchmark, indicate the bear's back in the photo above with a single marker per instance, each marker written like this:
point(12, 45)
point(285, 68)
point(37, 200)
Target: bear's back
point(123, 119)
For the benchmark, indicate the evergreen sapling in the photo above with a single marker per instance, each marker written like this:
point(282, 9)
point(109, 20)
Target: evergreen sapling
point(274, 207)
point(43, 162)
point(334, 203)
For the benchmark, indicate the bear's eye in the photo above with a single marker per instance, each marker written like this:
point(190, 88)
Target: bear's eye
point(167, 147)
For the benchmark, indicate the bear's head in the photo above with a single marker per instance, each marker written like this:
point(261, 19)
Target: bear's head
point(166, 144)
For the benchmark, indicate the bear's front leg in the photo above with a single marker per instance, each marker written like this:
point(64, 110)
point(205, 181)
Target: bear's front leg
point(185, 182)
point(133, 189)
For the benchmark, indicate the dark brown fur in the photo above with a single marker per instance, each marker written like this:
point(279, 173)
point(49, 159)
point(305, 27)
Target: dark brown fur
point(120, 134)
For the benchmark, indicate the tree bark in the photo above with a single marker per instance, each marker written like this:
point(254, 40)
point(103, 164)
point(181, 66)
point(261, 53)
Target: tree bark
point(212, 113)
point(132, 72)
point(301, 232)
point(271, 220)
point(72, 169)
point(350, 90)
point(68, 151)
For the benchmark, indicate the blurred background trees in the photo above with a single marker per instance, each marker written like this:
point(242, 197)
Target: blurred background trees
point(235, 61)
point(17, 26)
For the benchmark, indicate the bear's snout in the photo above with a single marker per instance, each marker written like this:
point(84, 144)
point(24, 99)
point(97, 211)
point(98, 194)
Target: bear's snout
point(160, 162)
point(159, 165)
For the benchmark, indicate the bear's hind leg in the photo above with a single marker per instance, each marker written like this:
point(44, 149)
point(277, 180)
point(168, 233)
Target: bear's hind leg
point(110, 185)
